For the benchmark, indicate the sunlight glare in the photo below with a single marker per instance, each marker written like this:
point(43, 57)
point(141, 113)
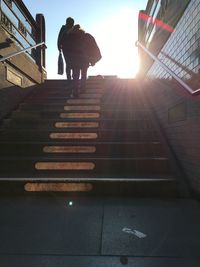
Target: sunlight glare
point(116, 38)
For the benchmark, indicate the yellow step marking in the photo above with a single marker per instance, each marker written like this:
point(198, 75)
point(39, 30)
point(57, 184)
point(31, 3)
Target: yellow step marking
point(58, 187)
point(83, 115)
point(76, 124)
point(64, 166)
point(83, 101)
point(93, 91)
point(89, 95)
point(80, 108)
point(73, 135)
point(69, 149)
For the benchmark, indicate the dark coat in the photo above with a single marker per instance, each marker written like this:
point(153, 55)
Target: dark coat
point(73, 48)
point(92, 50)
point(79, 48)
point(65, 29)
point(60, 35)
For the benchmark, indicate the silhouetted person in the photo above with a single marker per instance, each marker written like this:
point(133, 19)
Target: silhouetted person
point(74, 53)
point(78, 50)
point(61, 38)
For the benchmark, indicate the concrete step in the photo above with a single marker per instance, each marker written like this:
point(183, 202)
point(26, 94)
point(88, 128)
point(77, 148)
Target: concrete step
point(53, 124)
point(113, 94)
point(103, 101)
point(59, 82)
point(57, 107)
point(162, 187)
point(57, 149)
point(64, 90)
point(60, 135)
point(104, 113)
point(90, 93)
point(61, 100)
point(84, 168)
point(60, 95)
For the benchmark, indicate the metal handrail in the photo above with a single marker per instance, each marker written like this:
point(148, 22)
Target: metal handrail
point(187, 87)
point(22, 51)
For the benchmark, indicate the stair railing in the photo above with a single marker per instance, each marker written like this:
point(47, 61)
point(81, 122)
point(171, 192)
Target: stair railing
point(21, 51)
point(187, 87)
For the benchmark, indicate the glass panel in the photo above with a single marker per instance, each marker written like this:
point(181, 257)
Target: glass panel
point(22, 18)
point(153, 13)
point(9, 14)
point(18, 27)
point(151, 36)
point(157, 9)
point(20, 38)
point(30, 39)
point(23, 43)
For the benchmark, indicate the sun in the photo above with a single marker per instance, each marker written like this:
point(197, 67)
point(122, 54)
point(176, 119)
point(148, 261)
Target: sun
point(116, 37)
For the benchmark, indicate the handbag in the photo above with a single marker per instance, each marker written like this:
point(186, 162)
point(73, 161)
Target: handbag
point(91, 49)
point(60, 64)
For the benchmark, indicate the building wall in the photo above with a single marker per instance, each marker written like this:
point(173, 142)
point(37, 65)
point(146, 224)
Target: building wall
point(151, 34)
point(178, 111)
point(11, 94)
point(19, 73)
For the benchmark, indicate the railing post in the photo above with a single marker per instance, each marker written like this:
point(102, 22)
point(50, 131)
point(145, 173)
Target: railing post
point(40, 37)
point(141, 39)
point(40, 51)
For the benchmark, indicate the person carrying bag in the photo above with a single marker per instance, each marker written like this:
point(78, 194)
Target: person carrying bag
point(60, 64)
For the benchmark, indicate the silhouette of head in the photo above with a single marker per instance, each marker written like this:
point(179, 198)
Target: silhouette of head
point(70, 22)
point(77, 27)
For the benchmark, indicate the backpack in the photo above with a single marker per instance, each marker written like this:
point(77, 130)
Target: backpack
point(92, 50)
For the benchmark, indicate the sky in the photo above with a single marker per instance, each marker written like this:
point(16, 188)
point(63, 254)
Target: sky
point(113, 23)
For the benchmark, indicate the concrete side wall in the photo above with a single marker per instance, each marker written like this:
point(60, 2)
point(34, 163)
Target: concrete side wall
point(178, 111)
point(17, 75)
point(179, 116)
point(11, 94)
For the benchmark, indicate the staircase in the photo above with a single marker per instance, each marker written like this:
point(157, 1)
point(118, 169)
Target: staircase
point(106, 137)
point(90, 181)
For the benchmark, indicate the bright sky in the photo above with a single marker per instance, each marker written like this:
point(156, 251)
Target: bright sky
point(113, 23)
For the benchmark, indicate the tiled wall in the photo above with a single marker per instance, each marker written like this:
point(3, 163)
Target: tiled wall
point(181, 53)
point(178, 111)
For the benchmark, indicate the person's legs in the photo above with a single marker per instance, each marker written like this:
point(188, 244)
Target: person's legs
point(83, 77)
point(75, 75)
point(68, 70)
point(68, 73)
